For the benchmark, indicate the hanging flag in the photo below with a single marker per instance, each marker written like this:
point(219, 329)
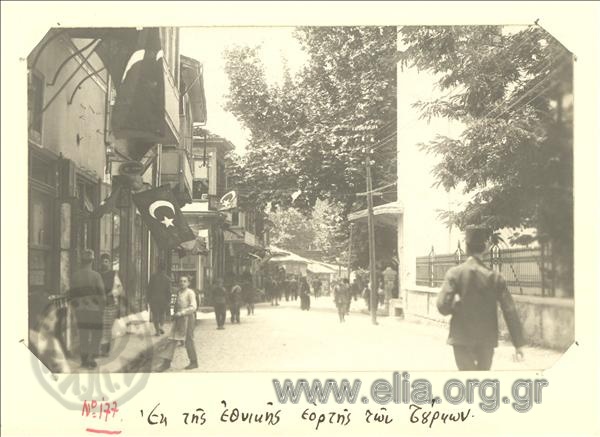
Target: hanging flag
point(228, 201)
point(163, 216)
point(107, 204)
point(295, 195)
point(139, 109)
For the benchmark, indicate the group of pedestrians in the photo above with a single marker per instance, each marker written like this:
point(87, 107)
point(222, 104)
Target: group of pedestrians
point(292, 288)
point(237, 293)
point(470, 294)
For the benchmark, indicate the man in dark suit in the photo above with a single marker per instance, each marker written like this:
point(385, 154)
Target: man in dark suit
point(219, 301)
point(87, 298)
point(159, 297)
point(470, 293)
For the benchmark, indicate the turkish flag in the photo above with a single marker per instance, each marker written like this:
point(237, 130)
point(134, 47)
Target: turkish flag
point(159, 210)
point(139, 110)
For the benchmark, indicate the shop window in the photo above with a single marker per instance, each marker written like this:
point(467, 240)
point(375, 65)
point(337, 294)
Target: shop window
point(200, 188)
point(86, 201)
point(40, 240)
point(35, 103)
point(40, 171)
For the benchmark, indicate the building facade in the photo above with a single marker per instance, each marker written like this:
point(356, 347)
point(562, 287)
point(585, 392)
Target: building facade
point(81, 157)
point(234, 235)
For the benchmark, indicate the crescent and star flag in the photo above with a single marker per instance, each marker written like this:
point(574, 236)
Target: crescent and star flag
point(228, 201)
point(139, 109)
point(159, 210)
point(134, 60)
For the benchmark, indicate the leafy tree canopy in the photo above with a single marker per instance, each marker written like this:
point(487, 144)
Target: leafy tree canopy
point(511, 91)
point(309, 134)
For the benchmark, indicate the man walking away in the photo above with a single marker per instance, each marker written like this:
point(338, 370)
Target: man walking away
point(355, 288)
point(470, 294)
point(182, 329)
point(295, 288)
point(347, 294)
point(286, 284)
point(219, 299)
point(235, 301)
point(159, 298)
point(113, 289)
point(87, 297)
point(270, 290)
point(304, 294)
point(248, 297)
point(341, 297)
point(317, 284)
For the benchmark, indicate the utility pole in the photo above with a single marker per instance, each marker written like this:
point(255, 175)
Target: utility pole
point(350, 251)
point(371, 241)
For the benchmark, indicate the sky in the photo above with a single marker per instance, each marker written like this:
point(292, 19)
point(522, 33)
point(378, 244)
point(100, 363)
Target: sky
point(207, 44)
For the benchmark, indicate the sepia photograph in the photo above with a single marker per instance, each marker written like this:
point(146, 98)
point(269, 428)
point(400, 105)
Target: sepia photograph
point(307, 198)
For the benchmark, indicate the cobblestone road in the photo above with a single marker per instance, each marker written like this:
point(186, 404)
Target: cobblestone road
point(284, 338)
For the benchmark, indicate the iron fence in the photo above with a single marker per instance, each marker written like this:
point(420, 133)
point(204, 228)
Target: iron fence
point(528, 271)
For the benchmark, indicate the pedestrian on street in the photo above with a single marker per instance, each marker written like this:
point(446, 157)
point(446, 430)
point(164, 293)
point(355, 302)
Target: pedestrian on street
point(270, 290)
point(341, 298)
point(113, 290)
point(348, 294)
point(249, 297)
point(366, 294)
point(219, 299)
point(286, 285)
point(317, 284)
point(182, 329)
point(295, 288)
point(235, 301)
point(380, 294)
point(470, 293)
point(159, 298)
point(245, 279)
point(355, 288)
point(304, 294)
point(87, 296)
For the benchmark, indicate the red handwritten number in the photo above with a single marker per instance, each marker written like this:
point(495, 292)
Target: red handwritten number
point(86, 410)
point(115, 409)
point(107, 411)
point(106, 408)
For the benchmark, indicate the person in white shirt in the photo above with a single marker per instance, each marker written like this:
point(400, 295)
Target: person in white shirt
point(182, 330)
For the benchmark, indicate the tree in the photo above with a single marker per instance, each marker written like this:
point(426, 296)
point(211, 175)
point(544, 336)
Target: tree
point(310, 133)
point(515, 156)
point(318, 230)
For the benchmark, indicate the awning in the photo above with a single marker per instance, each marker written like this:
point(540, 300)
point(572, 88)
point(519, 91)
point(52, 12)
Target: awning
point(193, 78)
point(384, 215)
point(320, 268)
point(289, 258)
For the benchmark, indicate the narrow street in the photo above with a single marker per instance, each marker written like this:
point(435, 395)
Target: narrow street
point(284, 338)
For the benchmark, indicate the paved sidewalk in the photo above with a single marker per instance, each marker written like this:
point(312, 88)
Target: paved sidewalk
point(284, 338)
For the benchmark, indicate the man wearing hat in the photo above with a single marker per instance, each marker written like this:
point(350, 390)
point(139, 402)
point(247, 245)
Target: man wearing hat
point(470, 294)
point(87, 298)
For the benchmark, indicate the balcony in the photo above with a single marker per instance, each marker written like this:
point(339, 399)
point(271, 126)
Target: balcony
point(176, 171)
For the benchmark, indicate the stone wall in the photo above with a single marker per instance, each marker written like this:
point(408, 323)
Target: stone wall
point(547, 322)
